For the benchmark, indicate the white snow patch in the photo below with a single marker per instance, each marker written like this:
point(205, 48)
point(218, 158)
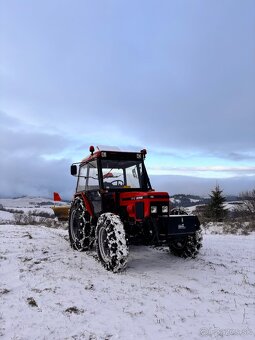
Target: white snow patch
point(6, 217)
point(193, 200)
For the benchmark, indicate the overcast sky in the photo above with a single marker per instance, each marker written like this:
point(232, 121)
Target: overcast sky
point(175, 77)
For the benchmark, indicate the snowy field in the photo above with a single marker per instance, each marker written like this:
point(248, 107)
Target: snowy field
point(27, 204)
point(49, 291)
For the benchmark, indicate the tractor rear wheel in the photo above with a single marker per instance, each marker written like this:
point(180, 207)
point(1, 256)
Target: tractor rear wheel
point(187, 246)
point(111, 244)
point(81, 232)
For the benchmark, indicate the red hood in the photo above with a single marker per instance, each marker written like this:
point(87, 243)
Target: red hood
point(144, 195)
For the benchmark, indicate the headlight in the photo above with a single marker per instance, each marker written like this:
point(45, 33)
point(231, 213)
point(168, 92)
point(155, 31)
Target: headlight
point(153, 209)
point(165, 209)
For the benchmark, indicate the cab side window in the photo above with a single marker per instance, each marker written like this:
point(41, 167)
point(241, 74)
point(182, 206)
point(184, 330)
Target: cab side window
point(92, 182)
point(81, 185)
point(88, 177)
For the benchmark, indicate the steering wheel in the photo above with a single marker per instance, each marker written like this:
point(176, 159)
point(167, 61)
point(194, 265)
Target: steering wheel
point(118, 182)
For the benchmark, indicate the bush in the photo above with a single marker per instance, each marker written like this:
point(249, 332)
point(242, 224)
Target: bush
point(230, 227)
point(38, 218)
point(25, 218)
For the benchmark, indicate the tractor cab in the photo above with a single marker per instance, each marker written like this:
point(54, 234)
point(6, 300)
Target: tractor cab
point(109, 178)
point(106, 170)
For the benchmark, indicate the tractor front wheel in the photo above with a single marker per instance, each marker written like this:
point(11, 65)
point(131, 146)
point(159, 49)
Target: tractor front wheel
point(111, 242)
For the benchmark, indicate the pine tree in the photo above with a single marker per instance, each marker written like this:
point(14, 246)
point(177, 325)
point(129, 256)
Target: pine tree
point(215, 208)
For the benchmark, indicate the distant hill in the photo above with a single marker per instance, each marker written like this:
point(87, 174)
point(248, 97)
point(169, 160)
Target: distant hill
point(28, 202)
point(182, 200)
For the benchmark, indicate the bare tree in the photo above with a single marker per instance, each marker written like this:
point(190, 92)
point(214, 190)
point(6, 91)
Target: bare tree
point(248, 198)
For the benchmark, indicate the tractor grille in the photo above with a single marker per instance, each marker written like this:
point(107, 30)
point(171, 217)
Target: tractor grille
point(139, 210)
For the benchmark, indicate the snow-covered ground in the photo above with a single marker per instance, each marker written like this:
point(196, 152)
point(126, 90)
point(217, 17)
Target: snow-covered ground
point(49, 291)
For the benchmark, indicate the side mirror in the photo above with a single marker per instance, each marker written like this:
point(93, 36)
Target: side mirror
point(73, 170)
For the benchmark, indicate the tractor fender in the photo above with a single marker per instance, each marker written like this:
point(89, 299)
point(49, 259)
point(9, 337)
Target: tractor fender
point(87, 203)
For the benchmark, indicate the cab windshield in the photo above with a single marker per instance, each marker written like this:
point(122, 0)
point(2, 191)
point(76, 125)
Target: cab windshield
point(124, 174)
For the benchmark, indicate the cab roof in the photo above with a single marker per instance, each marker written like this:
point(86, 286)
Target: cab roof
point(114, 155)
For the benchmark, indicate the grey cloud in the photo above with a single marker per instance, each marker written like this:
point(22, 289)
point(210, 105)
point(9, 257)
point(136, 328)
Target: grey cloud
point(246, 170)
point(7, 121)
point(238, 156)
point(36, 177)
point(23, 170)
point(19, 138)
point(235, 156)
point(30, 143)
point(202, 186)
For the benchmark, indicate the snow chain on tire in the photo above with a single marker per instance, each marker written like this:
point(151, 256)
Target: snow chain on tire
point(81, 232)
point(188, 246)
point(111, 243)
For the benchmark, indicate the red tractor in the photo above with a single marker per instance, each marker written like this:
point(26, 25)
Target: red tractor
point(115, 205)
